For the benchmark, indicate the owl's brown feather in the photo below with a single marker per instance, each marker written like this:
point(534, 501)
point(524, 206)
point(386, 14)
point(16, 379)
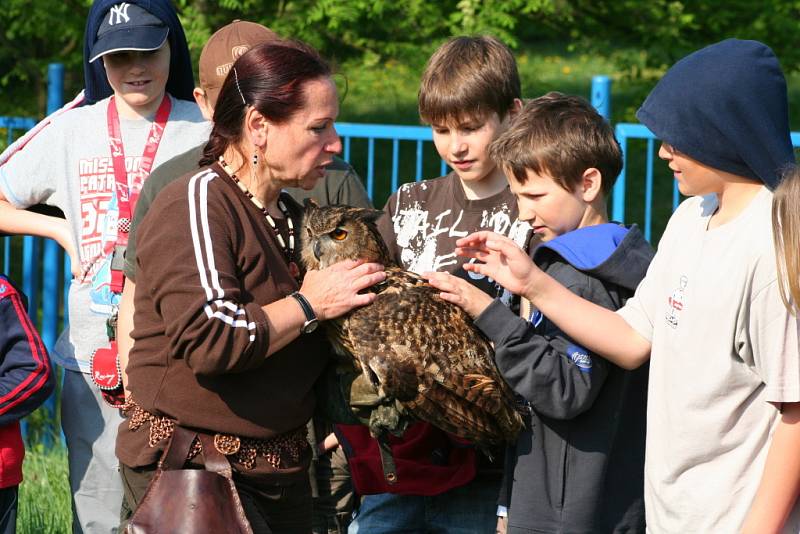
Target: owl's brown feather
point(413, 346)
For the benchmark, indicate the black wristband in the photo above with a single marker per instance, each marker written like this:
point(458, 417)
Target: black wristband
point(311, 318)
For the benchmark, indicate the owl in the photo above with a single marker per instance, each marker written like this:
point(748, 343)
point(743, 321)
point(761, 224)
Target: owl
point(414, 348)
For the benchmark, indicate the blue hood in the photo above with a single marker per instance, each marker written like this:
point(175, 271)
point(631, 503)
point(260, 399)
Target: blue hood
point(180, 83)
point(587, 248)
point(725, 106)
point(610, 252)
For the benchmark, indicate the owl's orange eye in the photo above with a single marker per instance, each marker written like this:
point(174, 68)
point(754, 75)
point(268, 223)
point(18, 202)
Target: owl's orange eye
point(339, 234)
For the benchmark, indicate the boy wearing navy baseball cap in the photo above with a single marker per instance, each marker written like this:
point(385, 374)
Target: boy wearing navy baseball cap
point(91, 162)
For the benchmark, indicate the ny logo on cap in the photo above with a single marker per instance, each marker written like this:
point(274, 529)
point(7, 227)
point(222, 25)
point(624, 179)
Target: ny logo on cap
point(118, 13)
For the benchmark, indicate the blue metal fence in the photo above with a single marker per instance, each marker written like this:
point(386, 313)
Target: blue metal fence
point(627, 133)
point(394, 133)
point(41, 258)
point(624, 133)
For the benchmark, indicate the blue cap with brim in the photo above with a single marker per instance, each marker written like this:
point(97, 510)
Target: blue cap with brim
point(128, 27)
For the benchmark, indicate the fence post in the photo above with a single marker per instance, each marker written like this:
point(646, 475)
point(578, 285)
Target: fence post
point(618, 194)
point(50, 293)
point(601, 95)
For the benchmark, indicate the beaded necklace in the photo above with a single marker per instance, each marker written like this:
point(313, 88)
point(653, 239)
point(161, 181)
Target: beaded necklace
point(287, 250)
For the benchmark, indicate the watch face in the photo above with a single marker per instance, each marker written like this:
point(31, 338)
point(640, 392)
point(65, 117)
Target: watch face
point(310, 326)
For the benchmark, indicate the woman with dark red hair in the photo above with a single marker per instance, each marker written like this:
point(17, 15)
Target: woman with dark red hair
point(224, 339)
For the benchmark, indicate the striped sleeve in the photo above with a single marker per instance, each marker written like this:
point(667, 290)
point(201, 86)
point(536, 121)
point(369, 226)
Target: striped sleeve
point(197, 289)
point(26, 374)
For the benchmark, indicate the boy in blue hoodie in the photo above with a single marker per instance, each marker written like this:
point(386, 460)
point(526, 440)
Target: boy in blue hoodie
point(578, 464)
point(723, 406)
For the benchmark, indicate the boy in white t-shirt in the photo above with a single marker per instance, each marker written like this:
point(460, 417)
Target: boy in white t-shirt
point(724, 393)
point(70, 164)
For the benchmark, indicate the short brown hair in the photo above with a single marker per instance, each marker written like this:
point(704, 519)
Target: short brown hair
point(562, 136)
point(468, 77)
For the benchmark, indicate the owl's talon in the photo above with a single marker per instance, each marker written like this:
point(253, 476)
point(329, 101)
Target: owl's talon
point(387, 418)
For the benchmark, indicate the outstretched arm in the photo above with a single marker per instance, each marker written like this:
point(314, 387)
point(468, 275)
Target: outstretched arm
point(542, 367)
point(124, 329)
point(18, 221)
point(600, 330)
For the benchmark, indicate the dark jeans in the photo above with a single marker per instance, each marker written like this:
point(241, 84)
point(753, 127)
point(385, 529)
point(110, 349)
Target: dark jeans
point(269, 507)
point(470, 509)
point(8, 510)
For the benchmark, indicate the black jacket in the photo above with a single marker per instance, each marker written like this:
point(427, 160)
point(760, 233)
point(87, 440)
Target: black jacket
point(578, 466)
point(26, 374)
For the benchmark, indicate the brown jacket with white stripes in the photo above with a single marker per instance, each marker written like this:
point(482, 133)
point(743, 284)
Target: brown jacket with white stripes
point(207, 261)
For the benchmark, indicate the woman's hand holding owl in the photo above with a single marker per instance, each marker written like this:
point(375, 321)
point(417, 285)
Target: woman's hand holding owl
point(335, 290)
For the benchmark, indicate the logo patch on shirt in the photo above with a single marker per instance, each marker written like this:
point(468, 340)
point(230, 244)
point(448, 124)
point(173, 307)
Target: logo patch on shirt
point(536, 318)
point(580, 357)
point(676, 302)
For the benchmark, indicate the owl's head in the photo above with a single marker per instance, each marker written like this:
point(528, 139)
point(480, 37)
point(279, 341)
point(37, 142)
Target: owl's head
point(334, 233)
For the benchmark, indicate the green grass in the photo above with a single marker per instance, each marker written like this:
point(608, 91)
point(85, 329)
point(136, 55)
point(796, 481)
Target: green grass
point(387, 92)
point(44, 495)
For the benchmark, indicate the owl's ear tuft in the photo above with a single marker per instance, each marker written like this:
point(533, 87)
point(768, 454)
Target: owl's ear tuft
point(367, 214)
point(310, 203)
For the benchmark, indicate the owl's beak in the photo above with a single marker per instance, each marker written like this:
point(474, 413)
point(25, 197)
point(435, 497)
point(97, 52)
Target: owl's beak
point(317, 251)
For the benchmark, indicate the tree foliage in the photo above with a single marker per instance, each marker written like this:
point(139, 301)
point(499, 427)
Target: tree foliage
point(647, 37)
point(642, 37)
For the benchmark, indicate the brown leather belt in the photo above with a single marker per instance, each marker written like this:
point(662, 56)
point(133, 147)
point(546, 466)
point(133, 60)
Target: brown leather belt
point(239, 450)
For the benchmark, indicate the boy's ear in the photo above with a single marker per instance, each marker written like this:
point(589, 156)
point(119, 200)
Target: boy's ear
point(202, 102)
point(516, 107)
point(591, 184)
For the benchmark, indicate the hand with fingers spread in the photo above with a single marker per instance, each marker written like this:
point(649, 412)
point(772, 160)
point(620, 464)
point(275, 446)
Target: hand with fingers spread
point(501, 259)
point(460, 292)
point(335, 290)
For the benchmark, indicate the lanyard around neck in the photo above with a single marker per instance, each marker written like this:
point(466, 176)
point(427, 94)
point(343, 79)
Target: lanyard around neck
point(126, 200)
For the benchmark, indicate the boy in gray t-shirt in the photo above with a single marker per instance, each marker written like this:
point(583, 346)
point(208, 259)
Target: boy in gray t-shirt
point(70, 164)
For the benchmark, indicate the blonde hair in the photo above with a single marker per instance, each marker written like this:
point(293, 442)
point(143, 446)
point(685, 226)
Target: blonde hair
point(786, 233)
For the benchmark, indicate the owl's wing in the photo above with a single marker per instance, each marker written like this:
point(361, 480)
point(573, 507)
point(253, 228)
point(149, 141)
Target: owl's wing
point(427, 354)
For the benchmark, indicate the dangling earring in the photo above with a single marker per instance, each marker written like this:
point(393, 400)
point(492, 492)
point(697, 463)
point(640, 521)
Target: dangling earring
point(255, 158)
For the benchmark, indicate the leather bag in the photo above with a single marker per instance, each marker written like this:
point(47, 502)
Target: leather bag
point(191, 501)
